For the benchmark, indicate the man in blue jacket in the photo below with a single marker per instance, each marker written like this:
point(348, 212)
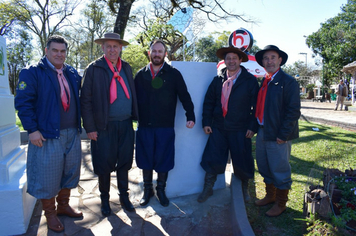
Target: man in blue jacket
point(228, 118)
point(47, 100)
point(277, 112)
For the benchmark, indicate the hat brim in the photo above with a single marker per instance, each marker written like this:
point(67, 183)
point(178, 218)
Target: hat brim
point(102, 40)
point(259, 56)
point(221, 53)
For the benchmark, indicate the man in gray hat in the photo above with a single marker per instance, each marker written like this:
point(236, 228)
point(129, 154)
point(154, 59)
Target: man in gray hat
point(108, 102)
point(229, 120)
point(277, 113)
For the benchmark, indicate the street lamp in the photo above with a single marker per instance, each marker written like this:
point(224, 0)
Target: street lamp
point(306, 56)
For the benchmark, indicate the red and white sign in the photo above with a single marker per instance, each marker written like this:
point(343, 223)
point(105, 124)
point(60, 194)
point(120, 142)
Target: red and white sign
point(242, 39)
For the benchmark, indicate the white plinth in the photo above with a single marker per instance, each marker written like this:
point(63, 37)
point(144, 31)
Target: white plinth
point(187, 176)
point(16, 206)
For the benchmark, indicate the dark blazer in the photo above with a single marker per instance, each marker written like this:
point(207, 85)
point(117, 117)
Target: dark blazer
point(282, 108)
point(95, 94)
point(157, 99)
point(241, 106)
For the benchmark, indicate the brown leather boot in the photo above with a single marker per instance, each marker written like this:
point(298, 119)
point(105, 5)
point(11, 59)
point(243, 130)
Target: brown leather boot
point(270, 196)
point(280, 205)
point(53, 223)
point(63, 207)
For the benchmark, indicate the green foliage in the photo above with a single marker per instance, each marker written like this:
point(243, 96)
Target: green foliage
point(206, 47)
point(135, 56)
point(19, 54)
point(335, 41)
point(7, 17)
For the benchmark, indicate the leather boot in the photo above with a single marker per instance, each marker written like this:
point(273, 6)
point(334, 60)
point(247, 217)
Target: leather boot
point(63, 207)
point(49, 207)
point(209, 182)
point(280, 205)
point(244, 183)
point(104, 188)
point(160, 188)
point(270, 196)
point(123, 186)
point(148, 187)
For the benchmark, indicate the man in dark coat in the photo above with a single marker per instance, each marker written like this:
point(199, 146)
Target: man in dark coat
point(228, 118)
point(277, 112)
point(108, 101)
point(158, 86)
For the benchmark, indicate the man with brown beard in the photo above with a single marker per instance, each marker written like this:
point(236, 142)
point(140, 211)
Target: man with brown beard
point(158, 85)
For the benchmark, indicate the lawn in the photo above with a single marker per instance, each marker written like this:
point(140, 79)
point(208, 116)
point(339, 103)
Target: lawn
point(330, 147)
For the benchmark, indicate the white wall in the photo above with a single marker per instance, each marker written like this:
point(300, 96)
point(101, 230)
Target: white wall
point(187, 177)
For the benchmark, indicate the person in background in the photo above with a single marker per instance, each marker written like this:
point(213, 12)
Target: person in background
point(158, 86)
point(277, 112)
point(109, 106)
point(229, 120)
point(341, 92)
point(47, 100)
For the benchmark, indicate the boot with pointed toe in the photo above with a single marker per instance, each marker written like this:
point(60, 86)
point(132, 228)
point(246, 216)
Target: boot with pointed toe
point(63, 207)
point(49, 207)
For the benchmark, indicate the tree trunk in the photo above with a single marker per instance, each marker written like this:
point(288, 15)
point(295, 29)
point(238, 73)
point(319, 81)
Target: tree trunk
point(123, 17)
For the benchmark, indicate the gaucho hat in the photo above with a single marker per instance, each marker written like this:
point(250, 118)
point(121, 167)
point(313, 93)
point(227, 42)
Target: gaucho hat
point(221, 53)
point(259, 54)
point(111, 36)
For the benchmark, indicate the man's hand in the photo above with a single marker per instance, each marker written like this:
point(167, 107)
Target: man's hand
point(280, 141)
point(207, 130)
point(93, 135)
point(36, 138)
point(249, 134)
point(190, 124)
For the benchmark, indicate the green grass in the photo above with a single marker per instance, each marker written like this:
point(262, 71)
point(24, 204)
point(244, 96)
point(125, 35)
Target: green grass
point(18, 122)
point(330, 147)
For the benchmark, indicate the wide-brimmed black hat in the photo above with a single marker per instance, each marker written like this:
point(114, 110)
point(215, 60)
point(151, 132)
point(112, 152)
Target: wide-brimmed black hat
point(259, 54)
point(221, 53)
point(111, 36)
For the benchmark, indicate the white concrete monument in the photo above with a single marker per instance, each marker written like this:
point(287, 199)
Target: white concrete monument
point(16, 205)
point(187, 176)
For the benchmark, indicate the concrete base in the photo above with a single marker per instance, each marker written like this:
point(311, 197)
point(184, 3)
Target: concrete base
point(187, 177)
point(16, 206)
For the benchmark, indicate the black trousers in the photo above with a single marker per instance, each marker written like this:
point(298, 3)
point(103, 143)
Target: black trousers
point(114, 147)
point(217, 149)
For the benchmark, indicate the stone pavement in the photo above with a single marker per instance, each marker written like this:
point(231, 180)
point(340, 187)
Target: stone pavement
point(184, 215)
point(323, 112)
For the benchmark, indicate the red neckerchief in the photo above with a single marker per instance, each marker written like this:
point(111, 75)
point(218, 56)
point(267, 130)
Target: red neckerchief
point(260, 105)
point(153, 74)
point(113, 87)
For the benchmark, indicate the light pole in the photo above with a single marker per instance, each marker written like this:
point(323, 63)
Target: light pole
point(306, 56)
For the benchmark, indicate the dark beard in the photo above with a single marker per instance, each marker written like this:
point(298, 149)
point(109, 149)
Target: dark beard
point(160, 62)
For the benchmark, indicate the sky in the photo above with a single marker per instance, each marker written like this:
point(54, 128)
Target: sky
point(281, 22)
